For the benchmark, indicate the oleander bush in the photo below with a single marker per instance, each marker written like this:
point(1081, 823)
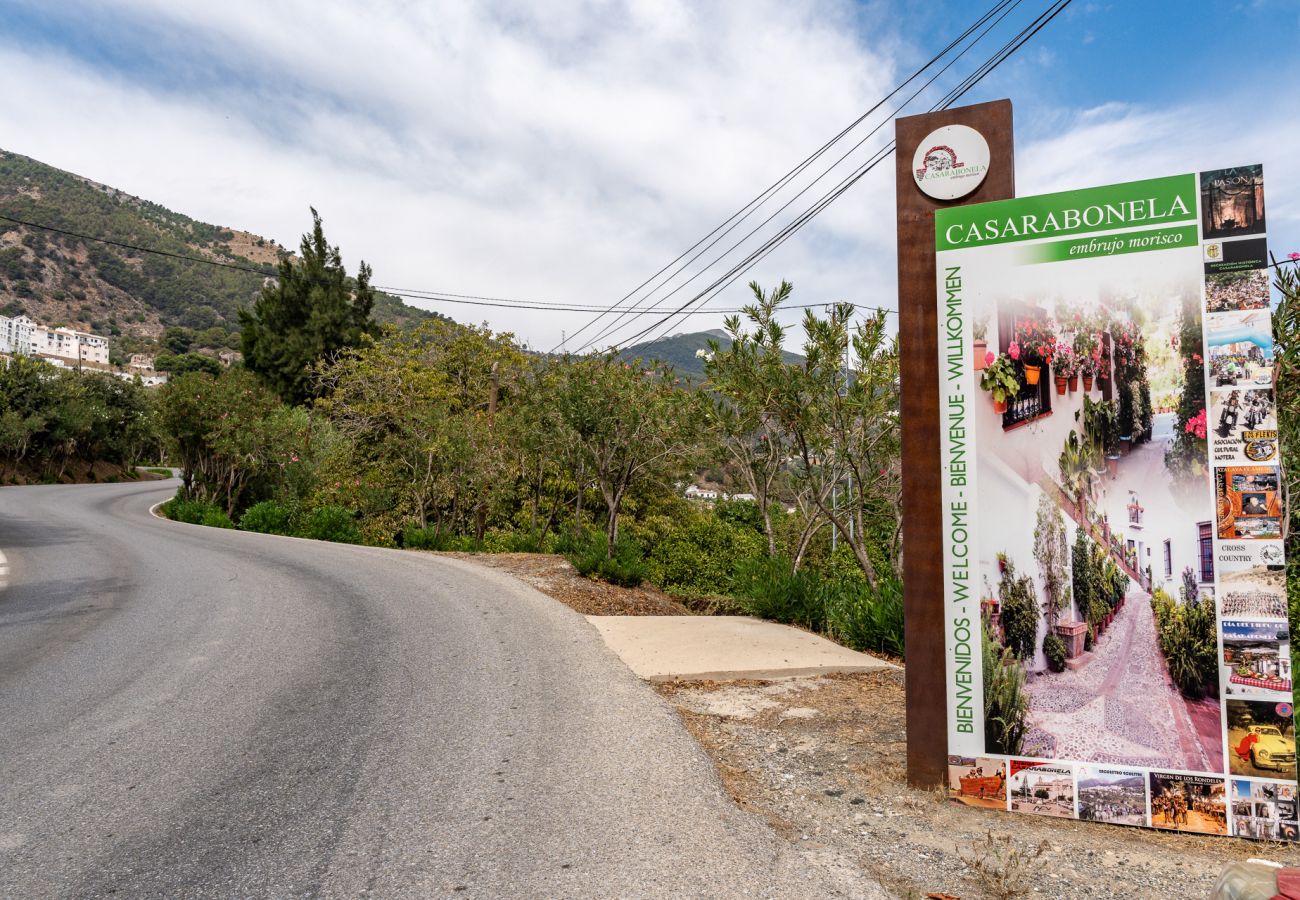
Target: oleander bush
point(268, 517)
point(331, 523)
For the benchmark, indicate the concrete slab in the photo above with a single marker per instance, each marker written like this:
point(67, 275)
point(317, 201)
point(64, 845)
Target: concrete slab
point(720, 648)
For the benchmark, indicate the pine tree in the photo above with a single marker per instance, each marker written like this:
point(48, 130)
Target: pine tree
point(309, 314)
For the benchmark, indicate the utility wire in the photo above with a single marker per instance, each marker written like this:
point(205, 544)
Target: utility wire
point(962, 88)
point(1005, 10)
point(745, 211)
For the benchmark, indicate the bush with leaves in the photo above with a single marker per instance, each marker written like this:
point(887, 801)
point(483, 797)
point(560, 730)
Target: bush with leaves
point(330, 523)
point(1054, 650)
point(1019, 603)
point(698, 552)
point(268, 517)
point(1005, 702)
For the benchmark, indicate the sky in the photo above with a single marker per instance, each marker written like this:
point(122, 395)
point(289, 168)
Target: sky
point(564, 152)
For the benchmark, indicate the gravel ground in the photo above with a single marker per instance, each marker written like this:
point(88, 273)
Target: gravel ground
point(822, 759)
point(553, 576)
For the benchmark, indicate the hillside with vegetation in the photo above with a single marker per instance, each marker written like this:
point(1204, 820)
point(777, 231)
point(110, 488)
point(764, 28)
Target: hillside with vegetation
point(683, 351)
point(130, 296)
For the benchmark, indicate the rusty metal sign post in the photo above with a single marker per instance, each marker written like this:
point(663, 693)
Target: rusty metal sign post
point(933, 160)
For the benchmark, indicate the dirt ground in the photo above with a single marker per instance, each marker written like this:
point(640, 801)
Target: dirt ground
point(555, 577)
point(822, 760)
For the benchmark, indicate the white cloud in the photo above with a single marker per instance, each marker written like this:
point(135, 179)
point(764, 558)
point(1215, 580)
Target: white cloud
point(556, 151)
point(560, 151)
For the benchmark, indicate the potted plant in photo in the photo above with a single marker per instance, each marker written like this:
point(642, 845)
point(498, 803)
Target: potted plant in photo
point(1110, 421)
point(980, 325)
point(999, 379)
point(1065, 368)
point(1034, 344)
point(1086, 352)
point(1125, 419)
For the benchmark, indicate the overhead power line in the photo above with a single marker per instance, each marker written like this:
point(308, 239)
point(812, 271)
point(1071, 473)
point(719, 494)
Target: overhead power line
point(776, 240)
point(407, 293)
point(989, 20)
point(749, 208)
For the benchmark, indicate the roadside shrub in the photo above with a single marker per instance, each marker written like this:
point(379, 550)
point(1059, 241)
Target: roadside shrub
point(416, 538)
point(330, 523)
point(700, 555)
point(771, 589)
point(1054, 650)
point(195, 512)
point(216, 518)
point(267, 517)
point(625, 568)
point(862, 618)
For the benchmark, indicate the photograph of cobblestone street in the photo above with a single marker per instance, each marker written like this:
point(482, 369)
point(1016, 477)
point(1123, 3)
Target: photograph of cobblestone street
point(1101, 591)
point(1122, 707)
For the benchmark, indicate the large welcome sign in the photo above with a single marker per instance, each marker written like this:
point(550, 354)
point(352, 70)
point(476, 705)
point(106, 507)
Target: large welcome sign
point(1117, 643)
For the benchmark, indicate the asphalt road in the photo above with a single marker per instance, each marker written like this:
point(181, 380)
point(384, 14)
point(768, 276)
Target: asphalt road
point(191, 712)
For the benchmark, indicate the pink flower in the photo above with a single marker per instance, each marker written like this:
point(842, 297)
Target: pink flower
point(1293, 255)
point(1014, 350)
point(294, 457)
point(989, 357)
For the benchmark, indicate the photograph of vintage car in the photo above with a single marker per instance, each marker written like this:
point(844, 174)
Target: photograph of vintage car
point(1261, 739)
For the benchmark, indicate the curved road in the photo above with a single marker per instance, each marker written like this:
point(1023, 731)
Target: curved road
point(190, 712)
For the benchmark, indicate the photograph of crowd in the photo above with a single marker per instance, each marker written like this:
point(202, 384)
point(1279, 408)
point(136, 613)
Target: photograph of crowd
point(1252, 580)
point(1240, 345)
point(1231, 291)
point(1188, 803)
point(977, 781)
point(1257, 660)
point(1250, 503)
point(1232, 202)
point(1114, 796)
point(1261, 739)
point(1044, 789)
point(1244, 425)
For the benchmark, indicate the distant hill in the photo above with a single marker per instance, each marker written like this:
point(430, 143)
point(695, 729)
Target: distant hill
point(679, 351)
point(128, 295)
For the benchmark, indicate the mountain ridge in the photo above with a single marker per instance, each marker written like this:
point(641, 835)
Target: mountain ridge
point(130, 296)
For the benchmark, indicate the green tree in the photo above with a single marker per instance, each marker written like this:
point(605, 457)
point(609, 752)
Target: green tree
point(629, 424)
point(186, 362)
point(309, 314)
point(418, 409)
point(1052, 551)
point(1019, 610)
point(231, 436)
point(746, 377)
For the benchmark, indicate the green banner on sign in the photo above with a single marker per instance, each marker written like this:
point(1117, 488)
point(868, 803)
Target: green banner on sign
point(1158, 201)
point(1112, 244)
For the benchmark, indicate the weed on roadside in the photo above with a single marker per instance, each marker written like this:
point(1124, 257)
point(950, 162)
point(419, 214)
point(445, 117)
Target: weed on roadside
point(1003, 869)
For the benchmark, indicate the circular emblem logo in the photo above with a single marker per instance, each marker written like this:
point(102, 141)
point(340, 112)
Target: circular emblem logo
point(951, 162)
point(1284, 709)
point(1272, 555)
point(1260, 451)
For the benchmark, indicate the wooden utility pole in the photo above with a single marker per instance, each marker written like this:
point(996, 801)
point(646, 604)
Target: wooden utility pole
point(918, 333)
